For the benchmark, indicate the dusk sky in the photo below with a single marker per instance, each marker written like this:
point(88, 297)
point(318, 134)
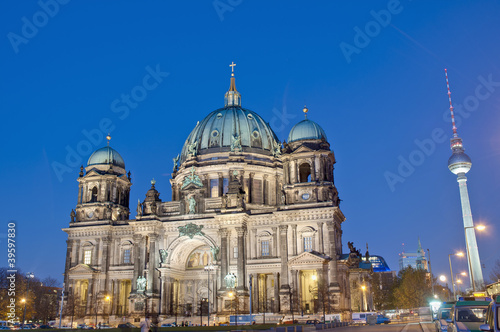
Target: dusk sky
point(370, 72)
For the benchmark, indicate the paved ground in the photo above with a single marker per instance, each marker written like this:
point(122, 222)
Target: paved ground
point(412, 327)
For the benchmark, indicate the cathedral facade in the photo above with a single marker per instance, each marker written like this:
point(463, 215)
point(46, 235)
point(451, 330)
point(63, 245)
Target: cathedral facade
point(252, 222)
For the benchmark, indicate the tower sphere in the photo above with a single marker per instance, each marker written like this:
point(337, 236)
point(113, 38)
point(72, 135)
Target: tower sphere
point(459, 162)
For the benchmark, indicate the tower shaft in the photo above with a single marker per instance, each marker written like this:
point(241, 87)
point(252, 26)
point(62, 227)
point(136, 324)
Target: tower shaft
point(475, 271)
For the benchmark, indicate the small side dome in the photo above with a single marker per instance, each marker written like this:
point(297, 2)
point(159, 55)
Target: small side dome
point(106, 156)
point(306, 129)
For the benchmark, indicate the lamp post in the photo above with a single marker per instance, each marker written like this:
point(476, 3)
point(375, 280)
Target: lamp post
point(479, 228)
point(208, 268)
point(363, 287)
point(29, 276)
point(460, 254)
point(108, 299)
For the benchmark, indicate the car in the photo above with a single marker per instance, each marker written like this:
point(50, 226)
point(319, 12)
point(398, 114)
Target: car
point(45, 327)
point(5, 328)
point(443, 314)
point(127, 326)
point(84, 327)
point(467, 314)
point(492, 322)
point(169, 325)
point(381, 319)
point(312, 322)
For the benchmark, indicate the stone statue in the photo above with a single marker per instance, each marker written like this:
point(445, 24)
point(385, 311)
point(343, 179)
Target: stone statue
point(72, 215)
point(235, 143)
point(351, 247)
point(215, 252)
point(139, 208)
point(192, 205)
point(193, 148)
point(193, 178)
point(224, 201)
point(163, 255)
point(141, 284)
point(276, 149)
point(176, 163)
point(230, 280)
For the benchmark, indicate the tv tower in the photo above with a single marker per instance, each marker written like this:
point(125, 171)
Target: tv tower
point(459, 164)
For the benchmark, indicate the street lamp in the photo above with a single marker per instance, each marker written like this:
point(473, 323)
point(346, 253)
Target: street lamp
point(208, 268)
point(29, 276)
point(363, 288)
point(479, 228)
point(108, 299)
point(460, 254)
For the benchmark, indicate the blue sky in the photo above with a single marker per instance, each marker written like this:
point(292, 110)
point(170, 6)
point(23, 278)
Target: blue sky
point(370, 72)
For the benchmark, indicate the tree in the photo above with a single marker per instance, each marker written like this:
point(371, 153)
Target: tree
point(495, 272)
point(411, 288)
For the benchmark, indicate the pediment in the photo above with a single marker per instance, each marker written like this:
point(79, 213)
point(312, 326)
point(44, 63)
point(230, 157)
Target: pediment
point(303, 148)
point(81, 269)
point(308, 258)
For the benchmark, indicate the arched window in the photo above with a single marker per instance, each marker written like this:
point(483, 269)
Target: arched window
point(305, 172)
point(93, 196)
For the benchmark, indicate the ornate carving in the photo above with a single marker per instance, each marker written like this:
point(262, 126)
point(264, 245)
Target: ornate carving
point(193, 149)
point(215, 252)
point(176, 164)
point(190, 230)
point(230, 280)
point(163, 256)
point(141, 284)
point(193, 178)
point(235, 143)
point(276, 149)
point(192, 205)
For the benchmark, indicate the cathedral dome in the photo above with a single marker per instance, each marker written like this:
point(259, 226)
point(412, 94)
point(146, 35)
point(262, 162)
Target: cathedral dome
point(228, 128)
point(306, 129)
point(106, 156)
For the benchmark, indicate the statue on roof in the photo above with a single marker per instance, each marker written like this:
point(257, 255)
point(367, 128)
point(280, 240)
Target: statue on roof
point(139, 208)
point(193, 148)
point(72, 215)
point(176, 164)
point(235, 143)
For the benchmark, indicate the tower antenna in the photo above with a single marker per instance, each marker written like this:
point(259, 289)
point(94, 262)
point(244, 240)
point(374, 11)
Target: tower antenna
point(455, 135)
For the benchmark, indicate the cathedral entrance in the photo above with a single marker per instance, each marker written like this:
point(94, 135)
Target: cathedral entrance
point(308, 291)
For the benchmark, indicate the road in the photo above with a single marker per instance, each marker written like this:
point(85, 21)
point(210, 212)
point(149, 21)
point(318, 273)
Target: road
point(412, 327)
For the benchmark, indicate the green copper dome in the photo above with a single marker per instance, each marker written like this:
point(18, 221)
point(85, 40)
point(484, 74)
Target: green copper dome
point(106, 156)
point(306, 129)
point(231, 128)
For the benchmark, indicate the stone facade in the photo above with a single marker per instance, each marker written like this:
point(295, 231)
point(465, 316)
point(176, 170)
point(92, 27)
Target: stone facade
point(247, 209)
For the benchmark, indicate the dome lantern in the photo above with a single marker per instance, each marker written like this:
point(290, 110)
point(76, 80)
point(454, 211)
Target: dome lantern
point(232, 97)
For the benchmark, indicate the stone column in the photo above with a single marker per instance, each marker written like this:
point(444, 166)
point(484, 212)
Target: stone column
point(67, 266)
point(313, 169)
point(284, 256)
point(77, 252)
point(332, 265)
point(137, 261)
point(293, 172)
point(90, 297)
point(294, 239)
point(152, 282)
point(221, 184)
point(321, 248)
point(275, 242)
point(241, 263)
point(223, 254)
point(276, 292)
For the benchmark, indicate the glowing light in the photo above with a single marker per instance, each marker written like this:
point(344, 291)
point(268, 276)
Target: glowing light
point(230, 294)
point(480, 227)
point(314, 277)
point(464, 273)
point(23, 300)
point(363, 287)
point(460, 254)
point(108, 298)
point(442, 277)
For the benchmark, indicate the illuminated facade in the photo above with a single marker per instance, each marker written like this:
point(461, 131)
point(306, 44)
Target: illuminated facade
point(242, 204)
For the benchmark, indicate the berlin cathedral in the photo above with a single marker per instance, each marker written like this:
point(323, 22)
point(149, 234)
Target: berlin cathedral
point(253, 224)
